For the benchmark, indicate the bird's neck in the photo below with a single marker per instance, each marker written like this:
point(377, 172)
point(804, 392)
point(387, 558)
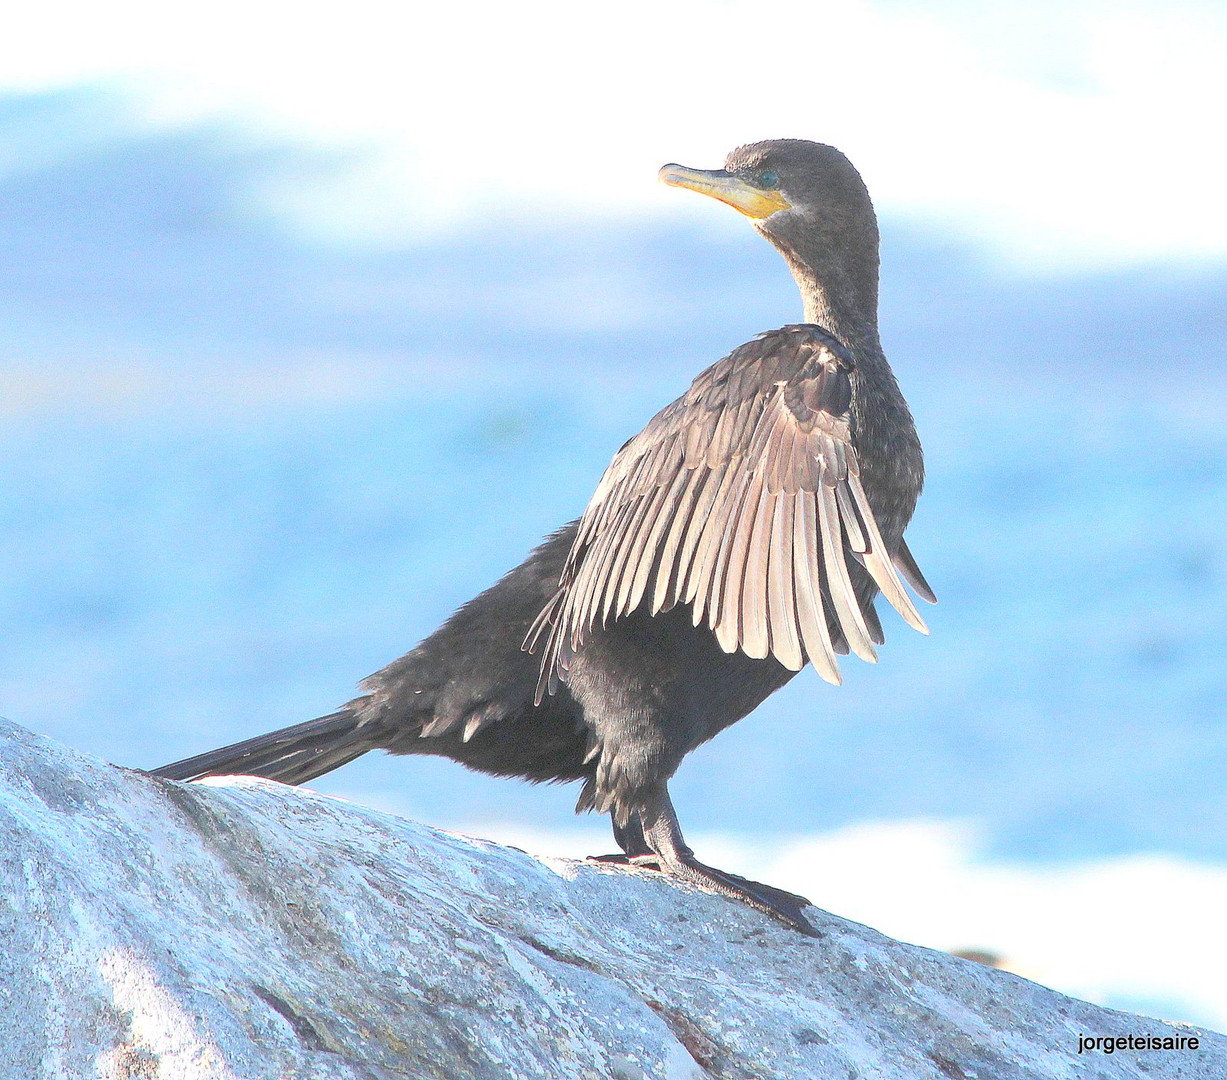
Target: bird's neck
point(840, 296)
point(844, 303)
point(891, 461)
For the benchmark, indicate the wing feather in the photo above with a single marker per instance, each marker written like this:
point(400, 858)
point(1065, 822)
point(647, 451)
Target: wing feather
point(781, 603)
point(880, 567)
point(707, 554)
point(647, 547)
point(906, 565)
point(696, 546)
point(730, 572)
point(810, 608)
point(755, 639)
point(621, 544)
point(631, 549)
point(777, 467)
point(874, 624)
point(691, 556)
point(724, 542)
point(850, 519)
point(598, 576)
point(671, 567)
point(839, 583)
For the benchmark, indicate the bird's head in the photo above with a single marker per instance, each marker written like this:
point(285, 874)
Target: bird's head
point(809, 201)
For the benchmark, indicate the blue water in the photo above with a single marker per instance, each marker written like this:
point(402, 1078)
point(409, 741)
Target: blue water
point(243, 469)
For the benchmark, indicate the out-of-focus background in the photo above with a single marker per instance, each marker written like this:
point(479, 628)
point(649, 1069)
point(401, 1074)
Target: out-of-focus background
point(314, 319)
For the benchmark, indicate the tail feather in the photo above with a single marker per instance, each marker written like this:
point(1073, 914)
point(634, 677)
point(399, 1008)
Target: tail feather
point(292, 755)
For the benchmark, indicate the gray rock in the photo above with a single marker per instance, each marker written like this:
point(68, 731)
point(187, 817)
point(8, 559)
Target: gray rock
point(242, 929)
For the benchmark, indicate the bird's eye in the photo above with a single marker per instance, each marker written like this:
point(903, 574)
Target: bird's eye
point(769, 180)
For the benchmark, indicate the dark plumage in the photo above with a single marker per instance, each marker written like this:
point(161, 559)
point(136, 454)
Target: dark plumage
point(746, 530)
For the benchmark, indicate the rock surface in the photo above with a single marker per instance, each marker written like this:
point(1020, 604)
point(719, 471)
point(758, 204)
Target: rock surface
point(242, 929)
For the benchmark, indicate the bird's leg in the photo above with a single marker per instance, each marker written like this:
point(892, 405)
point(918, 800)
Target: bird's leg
point(632, 841)
point(663, 834)
point(635, 850)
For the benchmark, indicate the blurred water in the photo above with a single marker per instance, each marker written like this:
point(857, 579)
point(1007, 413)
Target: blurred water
point(242, 470)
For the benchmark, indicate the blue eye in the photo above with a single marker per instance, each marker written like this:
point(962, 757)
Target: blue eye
point(769, 180)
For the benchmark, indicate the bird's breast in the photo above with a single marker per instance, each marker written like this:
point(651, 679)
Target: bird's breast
point(888, 450)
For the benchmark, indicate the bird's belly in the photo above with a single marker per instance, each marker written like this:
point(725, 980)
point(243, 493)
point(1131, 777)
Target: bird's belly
point(538, 743)
point(655, 687)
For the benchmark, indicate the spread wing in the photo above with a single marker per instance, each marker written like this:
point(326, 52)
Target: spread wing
point(744, 499)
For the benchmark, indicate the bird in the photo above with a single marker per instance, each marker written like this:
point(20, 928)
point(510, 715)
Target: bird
point(744, 532)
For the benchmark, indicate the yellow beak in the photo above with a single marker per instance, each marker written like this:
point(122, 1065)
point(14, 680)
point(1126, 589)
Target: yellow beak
point(752, 201)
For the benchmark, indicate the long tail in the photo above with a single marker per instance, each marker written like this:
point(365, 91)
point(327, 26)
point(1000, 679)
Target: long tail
point(292, 755)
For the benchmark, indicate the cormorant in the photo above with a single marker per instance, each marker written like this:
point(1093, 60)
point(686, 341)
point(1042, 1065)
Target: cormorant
point(746, 530)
